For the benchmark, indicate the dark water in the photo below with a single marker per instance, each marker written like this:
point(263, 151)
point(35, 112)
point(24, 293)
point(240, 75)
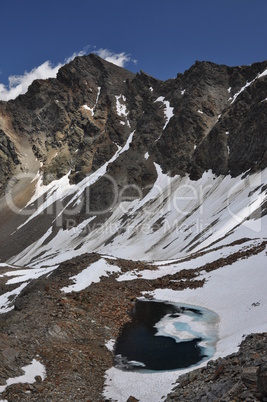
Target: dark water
point(137, 341)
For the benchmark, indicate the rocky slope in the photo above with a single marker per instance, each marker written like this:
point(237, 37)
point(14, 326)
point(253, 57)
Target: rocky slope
point(68, 333)
point(112, 170)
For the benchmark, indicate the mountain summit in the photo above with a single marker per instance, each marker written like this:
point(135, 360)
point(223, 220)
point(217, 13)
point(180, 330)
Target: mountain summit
point(115, 185)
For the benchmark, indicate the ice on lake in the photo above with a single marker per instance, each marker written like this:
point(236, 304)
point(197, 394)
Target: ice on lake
point(164, 336)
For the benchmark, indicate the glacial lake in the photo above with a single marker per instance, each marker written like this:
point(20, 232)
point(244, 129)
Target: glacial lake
point(166, 336)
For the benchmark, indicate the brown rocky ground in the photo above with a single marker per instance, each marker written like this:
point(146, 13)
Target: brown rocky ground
point(68, 333)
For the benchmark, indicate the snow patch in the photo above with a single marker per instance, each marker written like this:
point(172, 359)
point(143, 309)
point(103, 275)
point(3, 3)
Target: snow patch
point(121, 108)
point(30, 372)
point(92, 109)
point(168, 110)
point(110, 344)
point(128, 143)
point(120, 105)
point(23, 277)
point(90, 275)
point(264, 73)
point(7, 299)
point(191, 220)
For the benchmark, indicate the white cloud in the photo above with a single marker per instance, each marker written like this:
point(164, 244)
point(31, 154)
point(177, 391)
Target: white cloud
point(81, 53)
point(120, 59)
point(18, 84)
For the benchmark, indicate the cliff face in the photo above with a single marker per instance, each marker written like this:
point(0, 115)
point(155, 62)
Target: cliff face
point(58, 118)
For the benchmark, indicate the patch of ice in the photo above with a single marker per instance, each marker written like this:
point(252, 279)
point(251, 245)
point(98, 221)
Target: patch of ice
point(188, 325)
point(136, 364)
point(146, 155)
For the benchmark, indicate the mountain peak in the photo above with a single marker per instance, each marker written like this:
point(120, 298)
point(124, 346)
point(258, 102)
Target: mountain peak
point(93, 67)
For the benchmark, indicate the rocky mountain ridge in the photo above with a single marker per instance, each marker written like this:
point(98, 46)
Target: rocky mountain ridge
point(53, 117)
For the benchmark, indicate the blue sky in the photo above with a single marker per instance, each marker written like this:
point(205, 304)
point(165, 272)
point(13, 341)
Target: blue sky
point(162, 37)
